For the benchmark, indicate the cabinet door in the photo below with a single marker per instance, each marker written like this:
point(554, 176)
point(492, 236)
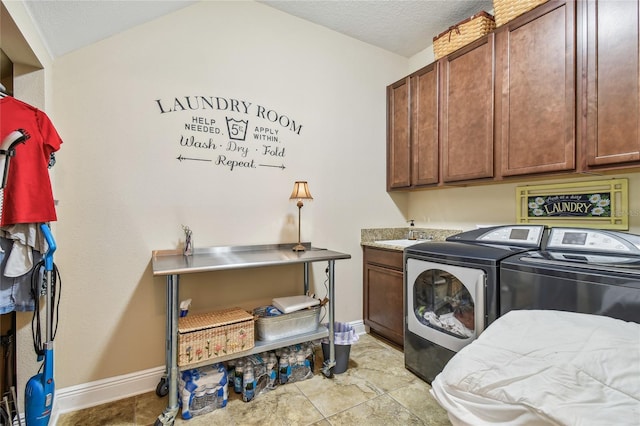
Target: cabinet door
point(612, 92)
point(467, 113)
point(383, 302)
point(535, 90)
point(398, 135)
point(424, 126)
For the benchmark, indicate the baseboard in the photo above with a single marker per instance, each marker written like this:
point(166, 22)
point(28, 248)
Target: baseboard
point(90, 394)
point(103, 391)
point(359, 327)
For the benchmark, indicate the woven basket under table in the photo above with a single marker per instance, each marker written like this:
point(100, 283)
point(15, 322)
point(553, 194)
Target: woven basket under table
point(203, 337)
point(462, 34)
point(506, 10)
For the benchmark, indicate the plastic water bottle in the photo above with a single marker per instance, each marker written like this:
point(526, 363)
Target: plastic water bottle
point(211, 397)
point(301, 359)
point(292, 361)
point(283, 370)
point(310, 356)
point(238, 375)
point(272, 369)
point(248, 384)
point(231, 368)
point(199, 400)
point(223, 396)
point(298, 369)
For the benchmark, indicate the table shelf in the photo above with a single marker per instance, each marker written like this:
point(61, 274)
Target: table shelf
point(260, 346)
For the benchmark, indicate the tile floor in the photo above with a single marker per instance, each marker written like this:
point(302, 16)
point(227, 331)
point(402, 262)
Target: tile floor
point(376, 389)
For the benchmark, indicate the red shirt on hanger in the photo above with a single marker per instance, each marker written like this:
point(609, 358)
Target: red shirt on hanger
point(28, 197)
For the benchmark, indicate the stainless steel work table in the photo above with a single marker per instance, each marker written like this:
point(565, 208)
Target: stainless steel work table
point(172, 264)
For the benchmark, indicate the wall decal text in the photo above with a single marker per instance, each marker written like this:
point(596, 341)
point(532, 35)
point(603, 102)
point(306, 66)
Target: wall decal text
point(232, 133)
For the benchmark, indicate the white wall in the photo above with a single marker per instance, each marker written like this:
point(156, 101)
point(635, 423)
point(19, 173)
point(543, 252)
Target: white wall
point(123, 193)
point(421, 59)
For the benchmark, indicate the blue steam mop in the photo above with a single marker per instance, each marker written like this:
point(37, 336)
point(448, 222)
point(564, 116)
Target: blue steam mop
point(40, 388)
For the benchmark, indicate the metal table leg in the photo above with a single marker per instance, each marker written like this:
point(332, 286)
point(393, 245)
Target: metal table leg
point(169, 414)
point(306, 278)
point(331, 362)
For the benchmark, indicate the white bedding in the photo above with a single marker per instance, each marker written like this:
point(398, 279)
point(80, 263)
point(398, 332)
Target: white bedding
point(545, 368)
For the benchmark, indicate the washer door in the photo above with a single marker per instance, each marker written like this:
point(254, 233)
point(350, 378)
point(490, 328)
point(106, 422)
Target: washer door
point(445, 303)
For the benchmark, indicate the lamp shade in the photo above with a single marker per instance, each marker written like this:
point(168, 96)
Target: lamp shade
point(301, 191)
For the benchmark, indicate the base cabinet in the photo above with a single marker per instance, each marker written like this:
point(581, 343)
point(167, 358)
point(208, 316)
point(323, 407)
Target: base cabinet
point(383, 281)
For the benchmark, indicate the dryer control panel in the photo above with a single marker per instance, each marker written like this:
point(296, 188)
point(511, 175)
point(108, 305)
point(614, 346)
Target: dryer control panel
point(593, 240)
point(508, 235)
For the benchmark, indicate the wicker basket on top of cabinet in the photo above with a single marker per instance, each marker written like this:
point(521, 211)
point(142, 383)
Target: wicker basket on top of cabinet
point(506, 10)
point(463, 33)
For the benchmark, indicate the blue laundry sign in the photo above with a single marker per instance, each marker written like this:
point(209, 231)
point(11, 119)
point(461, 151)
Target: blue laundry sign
point(233, 133)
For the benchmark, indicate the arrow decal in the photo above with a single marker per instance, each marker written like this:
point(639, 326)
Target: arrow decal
point(270, 165)
point(181, 158)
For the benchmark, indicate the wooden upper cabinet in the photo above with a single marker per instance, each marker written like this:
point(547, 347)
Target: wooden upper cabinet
point(424, 123)
point(412, 130)
point(608, 38)
point(467, 112)
point(535, 91)
point(398, 135)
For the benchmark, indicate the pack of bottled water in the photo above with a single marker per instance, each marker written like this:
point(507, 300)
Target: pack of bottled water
point(259, 373)
point(202, 390)
point(296, 363)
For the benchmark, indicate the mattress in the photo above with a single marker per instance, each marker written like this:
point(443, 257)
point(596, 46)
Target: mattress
point(535, 367)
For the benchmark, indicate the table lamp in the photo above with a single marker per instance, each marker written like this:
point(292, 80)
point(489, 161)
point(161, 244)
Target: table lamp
point(300, 192)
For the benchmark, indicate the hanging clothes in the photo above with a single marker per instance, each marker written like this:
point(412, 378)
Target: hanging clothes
point(15, 292)
point(26, 238)
point(27, 201)
point(28, 197)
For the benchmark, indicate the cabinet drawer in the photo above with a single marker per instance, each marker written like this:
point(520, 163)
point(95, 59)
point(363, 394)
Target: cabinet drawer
point(387, 258)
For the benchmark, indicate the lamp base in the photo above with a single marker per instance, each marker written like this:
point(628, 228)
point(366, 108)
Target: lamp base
point(298, 247)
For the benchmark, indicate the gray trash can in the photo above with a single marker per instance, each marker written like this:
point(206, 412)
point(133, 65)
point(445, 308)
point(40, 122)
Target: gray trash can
point(344, 336)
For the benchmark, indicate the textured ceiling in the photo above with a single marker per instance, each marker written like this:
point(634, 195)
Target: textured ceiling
point(405, 27)
point(67, 25)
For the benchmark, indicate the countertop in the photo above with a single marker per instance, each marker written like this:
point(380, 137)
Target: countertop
point(373, 237)
point(171, 262)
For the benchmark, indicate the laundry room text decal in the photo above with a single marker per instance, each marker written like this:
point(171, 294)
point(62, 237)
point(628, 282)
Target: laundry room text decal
point(231, 133)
